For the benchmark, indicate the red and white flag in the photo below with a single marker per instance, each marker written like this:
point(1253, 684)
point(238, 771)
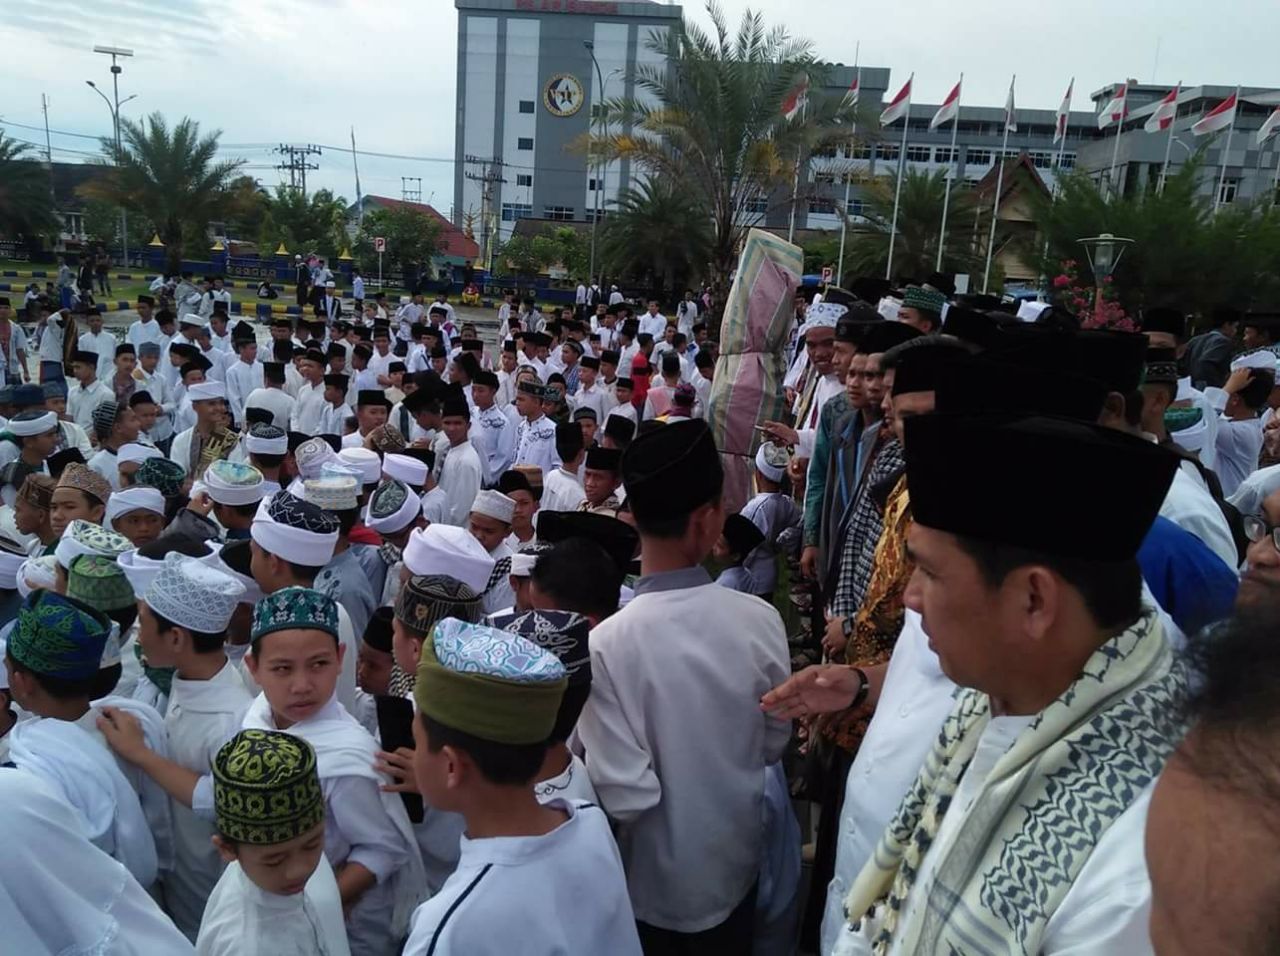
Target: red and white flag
point(1165, 113)
point(949, 110)
point(1270, 126)
point(1117, 109)
point(1221, 117)
point(851, 95)
point(1010, 117)
point(899, 106)
point(1064, 114)
point(796, 100)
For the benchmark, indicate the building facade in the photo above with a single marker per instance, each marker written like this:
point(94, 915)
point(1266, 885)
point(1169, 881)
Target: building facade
point(527, 93)
point(1139, 156)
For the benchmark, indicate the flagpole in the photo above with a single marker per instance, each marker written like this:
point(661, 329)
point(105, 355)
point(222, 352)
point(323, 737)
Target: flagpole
point(897, 192)
point(795, 182)
point(1275, 185)
point(1230, 132)
point(946, 196)
point(1057, 177)
point(848, 170)
point(1115, 153)
point(995, 211)
point(1168, 147)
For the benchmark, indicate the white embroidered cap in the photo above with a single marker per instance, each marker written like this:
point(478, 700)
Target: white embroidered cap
point(450, 551)
point(193, 594)
point(137, 452)
point(365, 462)
point(404, 468)
point(494, 504)
point(206, 391)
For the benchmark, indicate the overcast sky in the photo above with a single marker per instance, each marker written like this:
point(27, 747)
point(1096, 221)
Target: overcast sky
point(271, 71)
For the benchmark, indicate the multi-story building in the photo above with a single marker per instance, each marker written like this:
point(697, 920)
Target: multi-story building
point(530, 75)
point(1139, 156)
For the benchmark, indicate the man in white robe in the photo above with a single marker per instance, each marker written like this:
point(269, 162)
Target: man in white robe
point(244, 375)
point(492, 432)
point(462, 474)
point(536, 436)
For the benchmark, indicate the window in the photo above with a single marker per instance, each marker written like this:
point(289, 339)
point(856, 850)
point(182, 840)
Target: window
point(886, 151)
point(1228, 191)
point(860, 151)
point(1068, 161)
point(593, 184)
point(978, 157)
point(828, 178)
point(856, 208)
point(756, 206)
point(524, 142)
point(919, 154)
point(1041, 159)
point(511, 211)
point(596, 215)
point(558, 213)
point(822, 207)
point(943, 154)
point(526, 106)
point(524, 179)
point(825, 152)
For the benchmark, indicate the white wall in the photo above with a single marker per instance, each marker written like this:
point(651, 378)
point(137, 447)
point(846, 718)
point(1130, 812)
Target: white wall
point(478, 116)
point(521, 71)
point(610, 41)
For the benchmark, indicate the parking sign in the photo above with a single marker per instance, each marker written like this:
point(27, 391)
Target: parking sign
point(380, 244)
point(826, 275)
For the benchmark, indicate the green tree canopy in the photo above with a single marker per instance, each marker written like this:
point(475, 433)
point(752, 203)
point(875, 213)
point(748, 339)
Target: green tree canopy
point(915, 250)
point(413, 237)
point(304, 222)
point(167, 175)
point(711, 118)
point(26, 200)
point(660, 235)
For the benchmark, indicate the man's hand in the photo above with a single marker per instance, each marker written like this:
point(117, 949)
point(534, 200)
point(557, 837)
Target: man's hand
point(780, 433)
point(797, 469)
point(1237, 380)
point(789, 394)
point(201, 504)
point(834, 640)
point(123, 733)
point(809, 562)
point(398, 765)
point(818, 689)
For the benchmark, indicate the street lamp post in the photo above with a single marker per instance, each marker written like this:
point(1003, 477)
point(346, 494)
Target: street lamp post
point(598, 108)
point(116, 69)
point(1104, 252)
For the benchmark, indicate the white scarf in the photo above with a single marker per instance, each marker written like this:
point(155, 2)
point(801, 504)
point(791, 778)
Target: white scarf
point(345, 749)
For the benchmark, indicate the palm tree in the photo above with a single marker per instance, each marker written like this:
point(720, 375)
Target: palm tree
point(168, 176)
point(26, 200)
point(711, 118)
point(915, 250)
point(659, 235)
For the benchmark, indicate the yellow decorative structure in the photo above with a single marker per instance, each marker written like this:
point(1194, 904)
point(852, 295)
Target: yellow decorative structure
point(282, 251)
point(218, 247)
point(346, 254)
point(155, 241)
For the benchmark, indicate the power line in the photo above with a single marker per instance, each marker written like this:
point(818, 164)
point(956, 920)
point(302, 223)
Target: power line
point(297, 164)
point(490, 175)
point(410, 193)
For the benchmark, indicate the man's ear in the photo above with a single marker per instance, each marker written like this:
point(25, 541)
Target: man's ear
point(225, 850)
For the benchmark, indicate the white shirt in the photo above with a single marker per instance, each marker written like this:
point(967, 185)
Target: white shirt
point(241, 379)
point(357, 287)
point(1190, 506)
point(309, 408)
point(82, 401)
point(140, 332)
point(561, 491)
point(655, 324)
point(104, 463)
point(274, 400)
point(580, 295)
point(333, 421)
point(461, 478)
point(685, 654)
point(104, 343)
point(615, 297)
point(494, 438)
point(686, 315)
point(561, 892)
point(595, 398)
point(435, 506)
point(570, 784)
point(1239, 443)
point(826, 389)
point(201, 717)
point(536, 444)
point(52, 340)
point(245, 920)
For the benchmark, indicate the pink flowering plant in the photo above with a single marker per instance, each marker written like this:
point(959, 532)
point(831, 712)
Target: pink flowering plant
point(1076, 292)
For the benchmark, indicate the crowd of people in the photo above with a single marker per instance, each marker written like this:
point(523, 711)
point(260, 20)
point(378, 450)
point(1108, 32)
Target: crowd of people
point(374, 637)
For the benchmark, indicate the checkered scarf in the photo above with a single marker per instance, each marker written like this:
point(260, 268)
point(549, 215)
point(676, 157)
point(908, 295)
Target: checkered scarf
point(857, 554)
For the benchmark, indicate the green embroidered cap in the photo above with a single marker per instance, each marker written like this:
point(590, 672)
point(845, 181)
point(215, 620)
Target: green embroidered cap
point(921, 297)
point(98, 582)
point(266, 788)
point(294, 608)
point(57, 636)
point(162, 474)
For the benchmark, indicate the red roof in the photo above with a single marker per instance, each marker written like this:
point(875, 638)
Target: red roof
point(455, 242)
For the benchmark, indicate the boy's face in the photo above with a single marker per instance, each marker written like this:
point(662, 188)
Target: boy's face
point(27, 517)
point(139, 526)
point(334, 395)
point(438, 365)
point(490, 532)
point(455, 428)
point(125, 364)
point(438, 774)
point(406, 648)
point(149, 363)
point(373, 670)
point(279, 868)
point(298, 670)
point(56, 404)
point(482, 394)
point(83, 371)
point(587, 377)
point(146, 413)
point(155, 648)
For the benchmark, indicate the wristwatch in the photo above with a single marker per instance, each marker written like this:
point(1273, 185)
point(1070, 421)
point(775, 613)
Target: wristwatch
point(846, 625)
point(864, 686)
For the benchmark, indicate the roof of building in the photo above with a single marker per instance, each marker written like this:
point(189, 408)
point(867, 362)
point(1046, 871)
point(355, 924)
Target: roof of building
point(647, 9)
point(454, 242)
point(1011, 181)
point(68, 178)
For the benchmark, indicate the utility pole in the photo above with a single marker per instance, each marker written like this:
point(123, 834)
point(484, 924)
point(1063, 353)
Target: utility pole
point(48, 147)
point(411, 193)
point(297, 164)
point(489, 175)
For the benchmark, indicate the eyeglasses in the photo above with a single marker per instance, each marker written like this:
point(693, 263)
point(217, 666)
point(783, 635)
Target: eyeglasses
point(1255, 529)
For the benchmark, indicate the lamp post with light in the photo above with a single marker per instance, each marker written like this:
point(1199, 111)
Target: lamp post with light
point(1104, 252)
point(114, 108)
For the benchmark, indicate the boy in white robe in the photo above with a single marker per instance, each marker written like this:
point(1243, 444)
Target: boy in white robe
point(462, 473)
point(183, 619)
point(562, 486)
point(487, 702)
point(738, 539)
point(278, 895)
point(296, 658)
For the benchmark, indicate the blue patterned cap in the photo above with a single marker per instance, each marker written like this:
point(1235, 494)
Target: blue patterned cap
point(294, 609)
point(57, 637)
point(477, 649)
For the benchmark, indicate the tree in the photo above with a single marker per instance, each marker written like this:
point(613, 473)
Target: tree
point(246, 208)
point(1182, 254)
point(915, 250)
point(168, 176)
point(413, 237)
point(305, 223)
point(102, 225)
point(525, 256)
point(660, 236)
point(26, 199)
point(711, 118)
